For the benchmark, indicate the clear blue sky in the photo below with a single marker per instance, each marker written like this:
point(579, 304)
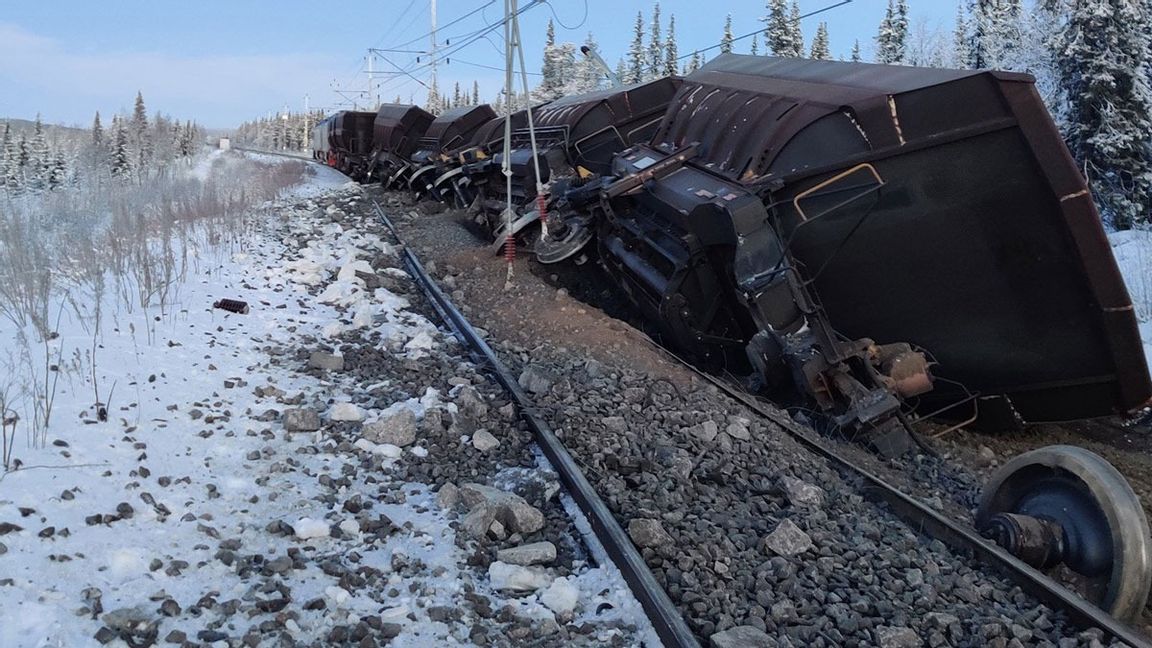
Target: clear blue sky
point(223, 61)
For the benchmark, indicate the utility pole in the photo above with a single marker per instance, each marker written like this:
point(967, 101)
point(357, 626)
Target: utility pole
point(371, 88)
point(433, 12)
point(307, 131)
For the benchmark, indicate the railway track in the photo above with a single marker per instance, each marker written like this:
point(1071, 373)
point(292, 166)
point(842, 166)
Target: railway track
point(666, 620)
point(663, 613)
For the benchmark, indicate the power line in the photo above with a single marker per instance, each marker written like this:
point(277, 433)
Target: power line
point(468, 40)
point(761, 30)
point(491, 67)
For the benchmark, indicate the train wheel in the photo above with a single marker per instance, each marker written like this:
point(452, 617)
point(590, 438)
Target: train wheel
point(1063, 507)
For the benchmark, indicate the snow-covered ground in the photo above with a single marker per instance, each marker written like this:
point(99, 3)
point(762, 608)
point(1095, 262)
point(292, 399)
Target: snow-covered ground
point(1133, 252)
point(192, 511)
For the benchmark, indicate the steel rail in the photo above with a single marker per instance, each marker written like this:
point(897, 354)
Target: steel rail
point(921, 518)
point(662, 613)
point(277, 153)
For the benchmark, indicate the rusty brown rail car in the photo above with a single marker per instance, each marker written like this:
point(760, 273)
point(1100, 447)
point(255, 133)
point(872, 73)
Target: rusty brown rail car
point(448, 133)
point(932, 207)
point(397, 130)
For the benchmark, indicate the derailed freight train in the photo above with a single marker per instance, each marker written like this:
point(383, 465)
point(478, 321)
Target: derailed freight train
point(860, 241)
point(857, 235)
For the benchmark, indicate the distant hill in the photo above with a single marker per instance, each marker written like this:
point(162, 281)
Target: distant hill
point(54, 133)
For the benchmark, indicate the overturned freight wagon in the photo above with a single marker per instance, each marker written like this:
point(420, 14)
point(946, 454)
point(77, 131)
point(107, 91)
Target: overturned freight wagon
point(576, 137)
point(343, 141)
point(396, 133)
point(455, 185)
point(817, 223)
point(450, 131)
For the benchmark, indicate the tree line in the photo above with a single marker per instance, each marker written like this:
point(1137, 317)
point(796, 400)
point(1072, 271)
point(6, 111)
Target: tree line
point(135, 148)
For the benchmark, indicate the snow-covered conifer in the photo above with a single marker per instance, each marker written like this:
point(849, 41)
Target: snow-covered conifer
point(39, 157)
point(635, 70)
point(820, 50)
point(794, 27)
point(755, 48)
point(655, 46)
point(119, 158)
point(475, 93)
point(1103, 66)
point(856, 58)
point(671, 51)
point(434, 104)
point(779, 35)
point(892, 37)
point(726, 37)
point(97, 131)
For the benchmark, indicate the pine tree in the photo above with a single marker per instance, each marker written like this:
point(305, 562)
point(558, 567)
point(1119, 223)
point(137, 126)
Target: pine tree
point(621, 71)
point(856, 51)
point(434, 104)
point(655, 46)
point(475, 93)
point(457, 98)
point(549, 76)
point(755, 49)
point(97, 131)
point(58, 172)
point(10, 165)
point(1103, 66)
point(779, 35)
point(559, 72)
point(892, 37)
point(820, 50)
point(671, 52)
point(140, 137)
point(996, 33)
point(726, 38)
point(635, 70)
point(693, 63)
point(797, 33)
point(961, 41)
point(39, 157)
point(119, 158)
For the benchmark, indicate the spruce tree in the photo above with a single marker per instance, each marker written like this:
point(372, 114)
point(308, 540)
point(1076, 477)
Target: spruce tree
point(856, 51)
point(755, 49)
point(726, 38)
point(10, 167)
point(5, 149)
point(961, 41)
point(475, 93)
point(797, 33)
point(892, 37)
point(433, 103)
point(1103, 66)
point(39, 157)
point(655, 46)
point(140, 137)
point(635, 70)
point(97, 131)
point(693, 63)
point(549, 76)
point(119, 158)
point(671, 52)
point(58, 171)
point(820, 50)
point(779, 36)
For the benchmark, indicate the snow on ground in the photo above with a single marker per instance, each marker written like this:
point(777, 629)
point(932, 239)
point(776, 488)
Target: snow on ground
point(163, 515)
point(1133, 252)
